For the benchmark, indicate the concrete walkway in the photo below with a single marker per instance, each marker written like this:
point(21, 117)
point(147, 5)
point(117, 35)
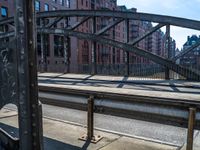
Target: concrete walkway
point(137, 80)
point(61, 135)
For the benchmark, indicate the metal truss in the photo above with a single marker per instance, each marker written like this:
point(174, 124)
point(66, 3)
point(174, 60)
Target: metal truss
point(121, 16)
point(127, 47)
point(18, 58)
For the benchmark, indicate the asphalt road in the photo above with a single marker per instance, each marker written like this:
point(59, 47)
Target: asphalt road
point(154, 131)
point(164, 133)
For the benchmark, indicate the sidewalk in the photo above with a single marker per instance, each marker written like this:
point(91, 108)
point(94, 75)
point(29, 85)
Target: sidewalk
point(123, 79)
point(59, 135)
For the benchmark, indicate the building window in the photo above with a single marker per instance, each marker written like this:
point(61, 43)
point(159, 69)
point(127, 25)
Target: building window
point(62, 2)
point(58, 46)
point(54, 8)
point(46, 7)
point(68, 3)
point(37, 5)
point(55, 1)
point(4, 12)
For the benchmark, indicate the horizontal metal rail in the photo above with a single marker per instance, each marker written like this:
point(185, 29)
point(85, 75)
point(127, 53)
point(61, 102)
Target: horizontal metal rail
point(177, 21)
point(181, 22)
point(153, 109)
point(7, 142)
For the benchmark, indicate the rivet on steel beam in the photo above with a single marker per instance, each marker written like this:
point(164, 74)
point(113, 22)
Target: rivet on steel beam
point(34, 134)
point(25, 132)
point(33, 115)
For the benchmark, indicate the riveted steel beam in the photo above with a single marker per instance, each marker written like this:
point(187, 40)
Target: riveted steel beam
point(176, 21)
point(30, 131)
point(127, 47)
point(168, 50)
point(76, 25)
point(7, 21)
point(7, 34)
point(152, 30)
point(58, 19)
point(114, 23)
point(7, 141)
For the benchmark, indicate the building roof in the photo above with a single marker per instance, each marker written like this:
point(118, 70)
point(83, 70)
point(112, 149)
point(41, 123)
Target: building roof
point(191, 40)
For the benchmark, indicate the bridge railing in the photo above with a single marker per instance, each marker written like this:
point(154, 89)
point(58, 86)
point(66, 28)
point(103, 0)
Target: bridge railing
point(19, 73)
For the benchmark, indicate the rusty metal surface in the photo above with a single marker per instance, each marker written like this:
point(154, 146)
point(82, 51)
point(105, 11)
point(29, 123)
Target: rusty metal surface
point(191, 125)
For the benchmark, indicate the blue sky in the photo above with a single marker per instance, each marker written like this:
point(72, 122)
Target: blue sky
point(180, 8)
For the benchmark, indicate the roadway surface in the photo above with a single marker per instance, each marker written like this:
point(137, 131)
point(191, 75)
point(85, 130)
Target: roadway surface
point(121, 82)
point(153, 131)
point(159, 133)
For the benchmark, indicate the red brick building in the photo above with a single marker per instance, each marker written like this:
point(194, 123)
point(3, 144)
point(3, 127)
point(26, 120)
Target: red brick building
point(80, 51)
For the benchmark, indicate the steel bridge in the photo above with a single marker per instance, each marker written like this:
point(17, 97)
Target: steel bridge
point(18, 76)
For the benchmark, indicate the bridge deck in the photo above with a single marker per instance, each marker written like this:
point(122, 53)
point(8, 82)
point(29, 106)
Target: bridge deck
point(61, 82)
point(138, 80)
point(66, 138)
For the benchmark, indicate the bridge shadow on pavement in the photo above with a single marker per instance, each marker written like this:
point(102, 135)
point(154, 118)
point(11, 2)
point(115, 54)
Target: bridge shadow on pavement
point(49, 143)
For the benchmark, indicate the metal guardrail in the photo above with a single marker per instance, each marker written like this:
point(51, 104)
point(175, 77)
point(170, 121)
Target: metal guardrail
point(174, 112)
point(8, 142)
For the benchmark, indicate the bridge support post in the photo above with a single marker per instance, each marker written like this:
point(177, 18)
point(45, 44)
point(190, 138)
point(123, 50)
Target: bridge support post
point(30, 132)
point(94, 47)
point(191, 123)
point(67, 49)
point(43, 51)
point(168, 50)
point(90, 124)
point(127, 70)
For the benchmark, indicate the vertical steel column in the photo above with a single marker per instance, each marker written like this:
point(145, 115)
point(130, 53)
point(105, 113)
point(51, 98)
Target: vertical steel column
point(66, 49)
point(191, 123)
point(90, 118)
point(113, 48)
point(30, 132)
point(94, 47)
point(168, 48)
point(127, 53)
point(44, 69)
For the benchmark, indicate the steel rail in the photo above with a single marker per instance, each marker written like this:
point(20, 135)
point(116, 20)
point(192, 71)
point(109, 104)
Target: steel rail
point(153, 109)
point(7, 141)
point(127, 47)
point(176, 21)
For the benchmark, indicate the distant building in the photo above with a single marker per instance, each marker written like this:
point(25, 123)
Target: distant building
point(79, 52)
point(192, 59)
